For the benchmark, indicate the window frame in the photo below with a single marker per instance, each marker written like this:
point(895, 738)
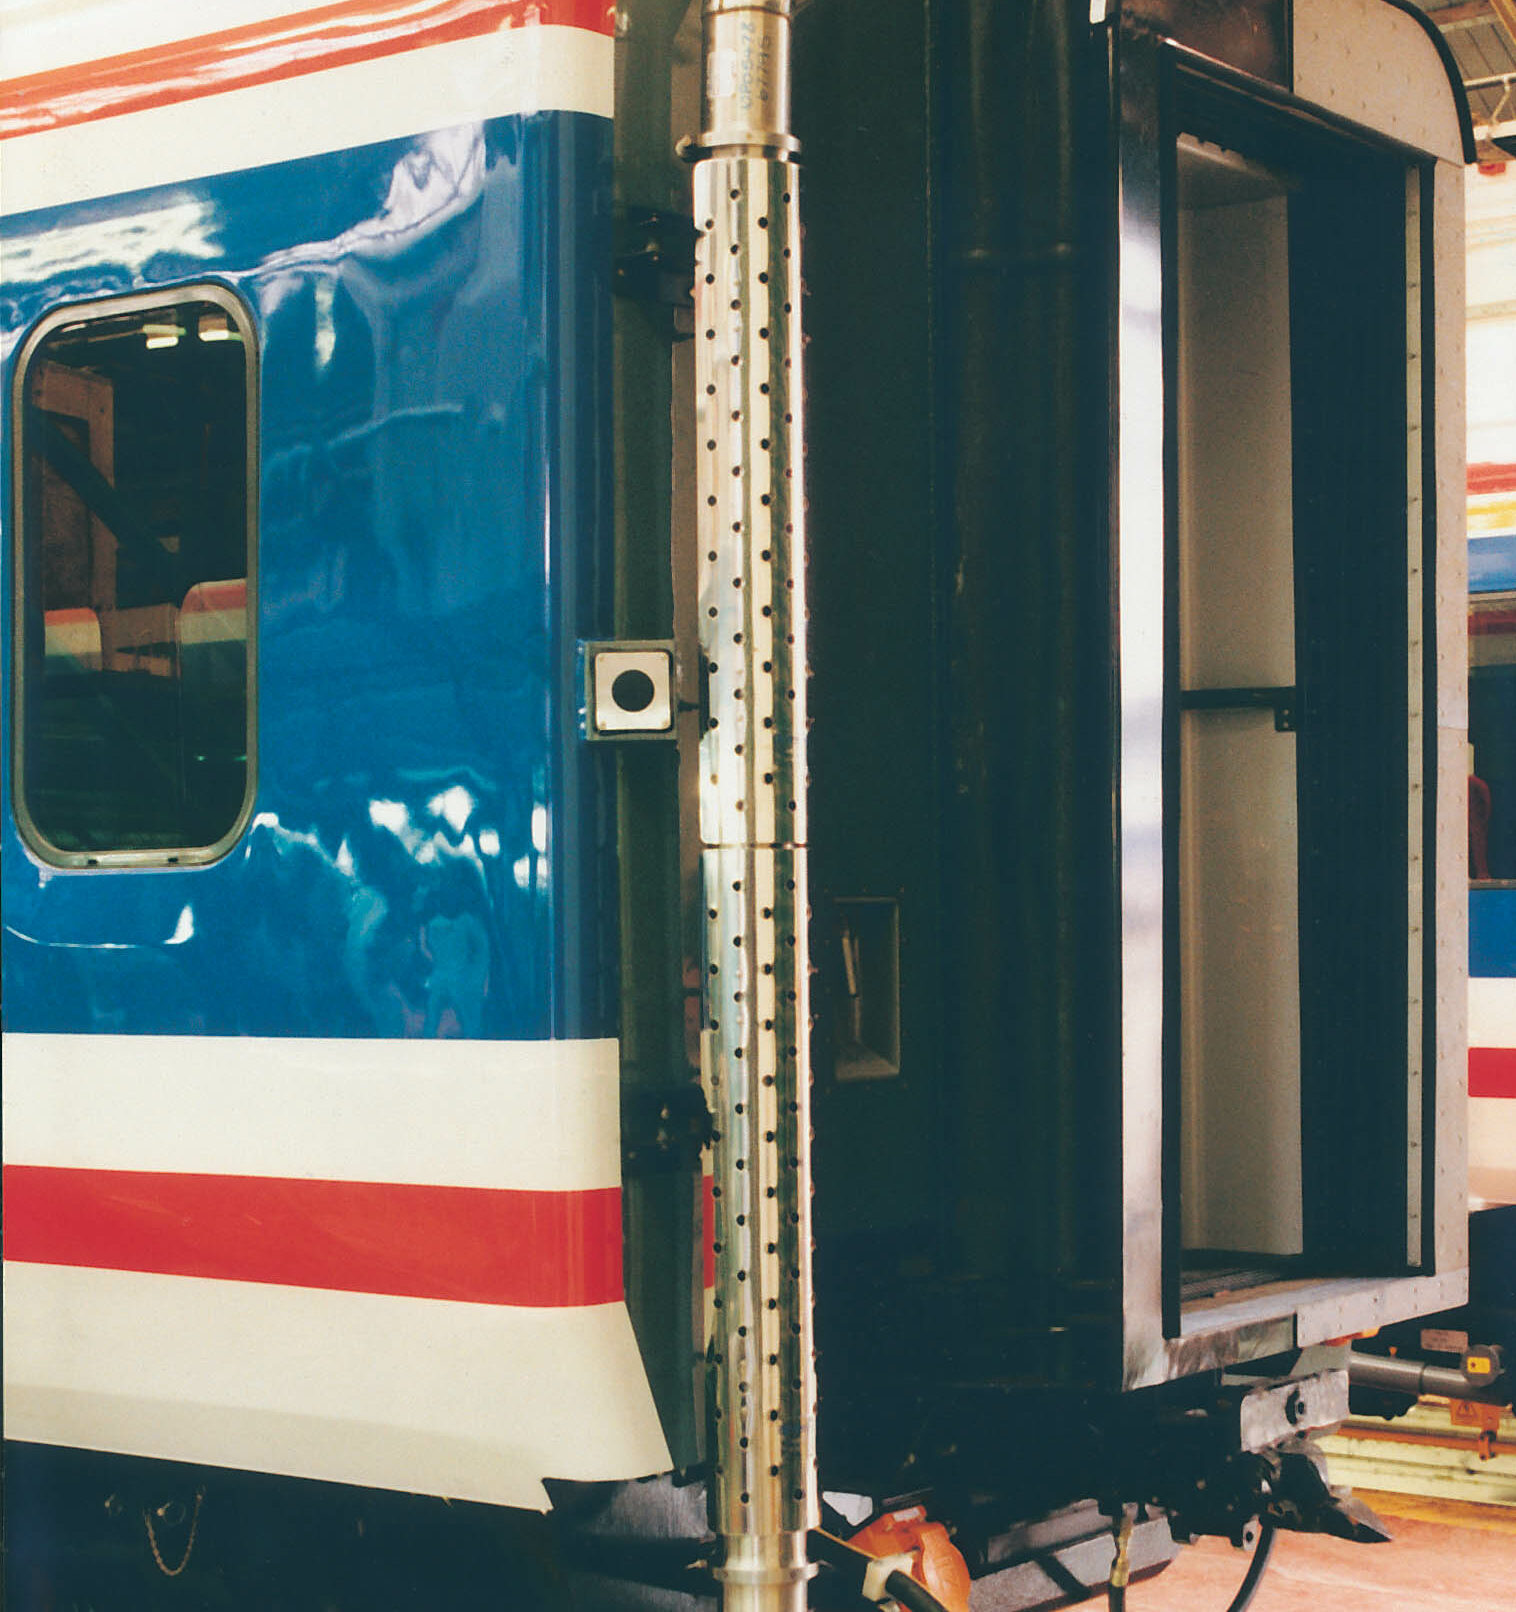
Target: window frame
point(23, 578)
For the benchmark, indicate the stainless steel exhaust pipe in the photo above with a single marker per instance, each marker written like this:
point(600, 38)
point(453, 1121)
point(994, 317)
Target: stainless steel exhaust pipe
point(753, 807)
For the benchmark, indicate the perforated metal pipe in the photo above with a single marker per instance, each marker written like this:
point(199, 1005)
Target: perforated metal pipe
point(752, 809)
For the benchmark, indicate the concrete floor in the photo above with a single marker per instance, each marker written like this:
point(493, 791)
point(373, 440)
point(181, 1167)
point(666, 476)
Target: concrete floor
point(1445, 1557)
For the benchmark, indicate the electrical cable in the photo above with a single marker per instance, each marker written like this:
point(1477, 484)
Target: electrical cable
point(911, 1594)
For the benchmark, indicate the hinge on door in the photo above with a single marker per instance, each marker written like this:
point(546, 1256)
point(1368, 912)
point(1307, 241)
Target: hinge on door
point(655, 258)
point(663, 1128)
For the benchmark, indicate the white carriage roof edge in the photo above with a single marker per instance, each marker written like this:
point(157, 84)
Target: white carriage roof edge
point(520, 1115)
point(548, 68)
point(41, 36)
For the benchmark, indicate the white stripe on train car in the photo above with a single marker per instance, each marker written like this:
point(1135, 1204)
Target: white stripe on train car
point(1492, 1120)
point(524, 1115)
point(214, 613)
point(1492, 1012)
point(72, 640)
point(66, 33)
point(547, 68)
point(471, 1401)
point(393, 1263)
point(1492, 1151)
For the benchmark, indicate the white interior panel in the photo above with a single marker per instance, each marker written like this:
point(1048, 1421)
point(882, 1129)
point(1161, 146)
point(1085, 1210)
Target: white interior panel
point(1241, 986)
point(1239, 917)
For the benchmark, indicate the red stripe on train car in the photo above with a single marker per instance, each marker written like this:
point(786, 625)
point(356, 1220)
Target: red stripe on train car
point(472, 1244)
point(263, 52)
point(1492, 1072)
point(1491, 478)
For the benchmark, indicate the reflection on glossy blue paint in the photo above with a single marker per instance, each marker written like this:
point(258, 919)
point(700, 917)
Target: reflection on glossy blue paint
point(1492, 563)
point(1492, 933)
point(113, 252)
point(429, 854)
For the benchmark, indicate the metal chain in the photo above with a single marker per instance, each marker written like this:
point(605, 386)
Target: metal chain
point(152, 1538)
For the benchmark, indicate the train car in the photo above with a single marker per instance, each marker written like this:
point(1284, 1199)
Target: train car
point(1492, 850)
point(508, 792)
point(1492, 907)
point(1432, 1355)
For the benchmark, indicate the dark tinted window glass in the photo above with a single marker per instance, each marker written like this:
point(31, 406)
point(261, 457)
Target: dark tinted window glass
point(134, 666)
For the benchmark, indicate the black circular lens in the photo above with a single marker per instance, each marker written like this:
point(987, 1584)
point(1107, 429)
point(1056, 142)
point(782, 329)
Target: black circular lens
point(633, 691)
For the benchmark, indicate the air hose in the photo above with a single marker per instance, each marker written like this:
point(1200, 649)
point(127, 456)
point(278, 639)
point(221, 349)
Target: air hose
point(870, 1576)
point(1254, 1575)
point(1121, 1566)
point(1121, 1570)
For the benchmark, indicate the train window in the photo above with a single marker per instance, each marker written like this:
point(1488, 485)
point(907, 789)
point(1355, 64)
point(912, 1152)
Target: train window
point(1492, 736)
point(134, 711)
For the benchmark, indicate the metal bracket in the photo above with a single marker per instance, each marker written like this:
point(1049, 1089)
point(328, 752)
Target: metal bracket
point(663, 1128)
point(1273, 1412)
point(1283, 702)
point(655, 258)
point(629, 689)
